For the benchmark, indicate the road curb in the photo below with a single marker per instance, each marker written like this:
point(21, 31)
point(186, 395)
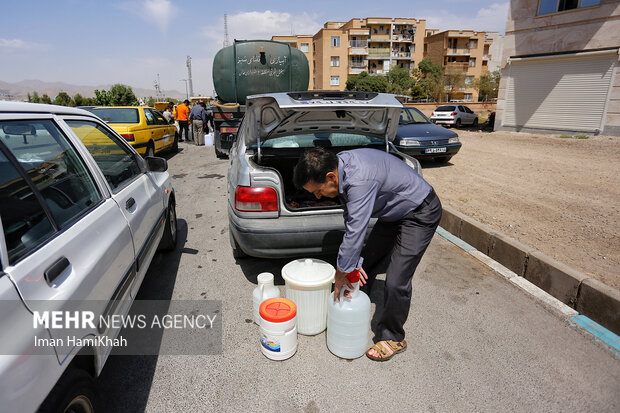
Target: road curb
point(589, 297)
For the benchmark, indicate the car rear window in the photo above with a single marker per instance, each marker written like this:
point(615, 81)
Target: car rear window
point(117, 115)
point(445, 109)
point(325, 139)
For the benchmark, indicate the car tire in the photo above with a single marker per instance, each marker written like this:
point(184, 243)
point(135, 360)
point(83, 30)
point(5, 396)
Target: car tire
point(458, 123)
point(74, 392)
point(175, 144)
point(150, 150)
point(220, 154)
point(475, 122)
point(169, 239)
point(237, 252)
point(442, 159)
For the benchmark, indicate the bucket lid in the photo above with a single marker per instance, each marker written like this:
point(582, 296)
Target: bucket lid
point(308, 273)
point(277, 310)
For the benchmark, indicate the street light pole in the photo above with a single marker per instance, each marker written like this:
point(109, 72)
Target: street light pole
point(186, 90)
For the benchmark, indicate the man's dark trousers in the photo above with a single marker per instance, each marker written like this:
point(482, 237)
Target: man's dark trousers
point(184, 126)
point(403, 242)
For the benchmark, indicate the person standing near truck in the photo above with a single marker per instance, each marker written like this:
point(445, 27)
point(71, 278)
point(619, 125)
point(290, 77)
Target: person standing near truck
point(183, 119)
point(373, 183)
point(198, 116)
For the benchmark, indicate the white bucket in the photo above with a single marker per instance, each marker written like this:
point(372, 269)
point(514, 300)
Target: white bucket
point(278, 328)
point(308, 284)
point(209, 139)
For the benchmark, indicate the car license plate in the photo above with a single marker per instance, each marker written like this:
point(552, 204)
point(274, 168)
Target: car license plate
point(435, 150)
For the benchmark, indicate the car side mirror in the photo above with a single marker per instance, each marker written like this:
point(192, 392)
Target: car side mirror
point(156, 164)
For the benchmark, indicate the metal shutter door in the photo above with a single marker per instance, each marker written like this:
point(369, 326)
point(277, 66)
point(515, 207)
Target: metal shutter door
point(558, 93)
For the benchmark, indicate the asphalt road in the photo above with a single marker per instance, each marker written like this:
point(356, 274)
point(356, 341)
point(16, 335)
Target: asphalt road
point(476, 342)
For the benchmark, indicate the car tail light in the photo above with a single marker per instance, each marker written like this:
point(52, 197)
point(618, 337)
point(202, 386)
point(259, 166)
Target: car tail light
point(259, 199)
point(453, 114)
point(218, 115)
point(229, 130)
point(128, 137)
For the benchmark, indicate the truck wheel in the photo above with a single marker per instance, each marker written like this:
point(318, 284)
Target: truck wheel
point(74, 392)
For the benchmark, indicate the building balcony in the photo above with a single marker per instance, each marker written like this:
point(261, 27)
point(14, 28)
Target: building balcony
point(357, 70)
point(401, 55)
point(379, 52)
point(457, 52)
point(358, 51)
point(358, 43)
point(379, 38)
point(402, 38)
point(376, 72)
point(356, 64)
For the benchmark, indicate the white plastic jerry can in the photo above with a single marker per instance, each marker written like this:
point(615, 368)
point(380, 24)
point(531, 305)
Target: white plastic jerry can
point(348, 321)
point(265, 290)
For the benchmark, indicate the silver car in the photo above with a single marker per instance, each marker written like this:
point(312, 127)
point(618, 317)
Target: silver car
point(82, 215)
point(268, 216)
point(454, 114)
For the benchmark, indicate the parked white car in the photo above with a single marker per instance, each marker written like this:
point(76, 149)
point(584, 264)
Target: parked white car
point(82, 215)
point(456, 115)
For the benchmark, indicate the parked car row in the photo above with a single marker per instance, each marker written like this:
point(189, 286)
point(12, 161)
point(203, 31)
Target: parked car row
point(82, 215)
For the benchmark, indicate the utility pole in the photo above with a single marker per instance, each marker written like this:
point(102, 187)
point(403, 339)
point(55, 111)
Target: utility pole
point(188, 63)
point(157, 88)
point(226, 39)
point(186, 91)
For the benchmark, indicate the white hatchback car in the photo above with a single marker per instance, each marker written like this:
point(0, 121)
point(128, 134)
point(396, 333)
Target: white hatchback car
point(456, 115)
point(81, 217)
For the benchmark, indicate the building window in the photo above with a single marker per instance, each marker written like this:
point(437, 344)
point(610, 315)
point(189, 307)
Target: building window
point(304, 47)
point(374, 30)
point(381, 28)
point(335, 61)
point(412, 48)
point(334, 80)
point(472, 62)
point(468, 97)
point(553, 6)
point(473, 44)
point(335, 41)
point(469, 80)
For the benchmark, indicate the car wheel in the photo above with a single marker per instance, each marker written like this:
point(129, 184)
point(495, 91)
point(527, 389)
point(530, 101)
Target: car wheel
point(442, 159)
point(150, 150)
point(458, 123)
point(220, 154)
point(175, 144)
point(475, 123)
point(74, 392)
point(237, 252)
point(169, 239)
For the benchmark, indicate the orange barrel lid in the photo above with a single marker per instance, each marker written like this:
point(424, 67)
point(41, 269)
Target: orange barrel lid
point(277, 310)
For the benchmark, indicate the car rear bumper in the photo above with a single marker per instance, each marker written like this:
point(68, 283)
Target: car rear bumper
point(421, 151)
point(444, 121)
point(288, 236)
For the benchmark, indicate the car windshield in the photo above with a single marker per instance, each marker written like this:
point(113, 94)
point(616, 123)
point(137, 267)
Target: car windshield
point(445, 109)
point(325, 139)
point(117, 115)
point(411, 116)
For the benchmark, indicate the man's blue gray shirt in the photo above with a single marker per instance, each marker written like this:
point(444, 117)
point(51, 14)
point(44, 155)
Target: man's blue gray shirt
point(373, 184)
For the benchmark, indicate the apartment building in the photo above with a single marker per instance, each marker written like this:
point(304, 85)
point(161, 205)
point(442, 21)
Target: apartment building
point(460, 50)
point(559, 63)
point(373, 45)
point(303, 43)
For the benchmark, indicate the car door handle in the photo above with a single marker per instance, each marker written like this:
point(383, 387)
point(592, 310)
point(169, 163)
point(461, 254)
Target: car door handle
point(130, 203)
point(57, 268)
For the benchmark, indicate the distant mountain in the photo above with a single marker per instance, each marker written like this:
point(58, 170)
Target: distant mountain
point(20, 90)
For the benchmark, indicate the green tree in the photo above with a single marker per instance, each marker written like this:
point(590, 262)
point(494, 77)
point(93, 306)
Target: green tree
point(453, 80)
point(45, 99)
point(63, 99)
point(101, 98)
point(400, 81)
point(80, 100)
point(122, 95)
point(428, 81)
point(34, 98)
point(366, 83)
point(487, 85)
point(428, 67)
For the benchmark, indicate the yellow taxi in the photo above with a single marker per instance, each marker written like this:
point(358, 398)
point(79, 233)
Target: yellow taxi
point(143, 127)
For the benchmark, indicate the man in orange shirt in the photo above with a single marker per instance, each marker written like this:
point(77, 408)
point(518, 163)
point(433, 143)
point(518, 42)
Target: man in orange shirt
point(183, 119)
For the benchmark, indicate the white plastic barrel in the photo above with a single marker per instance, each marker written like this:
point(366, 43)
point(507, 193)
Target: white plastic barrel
point(308, 284)
point(278, 328)
point(348, 322)
point(265, 290)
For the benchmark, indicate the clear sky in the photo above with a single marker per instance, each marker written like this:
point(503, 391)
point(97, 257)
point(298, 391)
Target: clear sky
point(96, 42)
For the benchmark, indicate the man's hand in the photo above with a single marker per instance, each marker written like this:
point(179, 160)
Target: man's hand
point(340, 280)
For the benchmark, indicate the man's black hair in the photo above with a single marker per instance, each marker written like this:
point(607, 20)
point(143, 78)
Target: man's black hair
point(313, 166)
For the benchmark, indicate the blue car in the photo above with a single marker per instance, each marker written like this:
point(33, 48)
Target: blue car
point(420, 138)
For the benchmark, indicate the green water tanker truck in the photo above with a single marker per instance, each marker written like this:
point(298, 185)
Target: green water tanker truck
point(251, 67)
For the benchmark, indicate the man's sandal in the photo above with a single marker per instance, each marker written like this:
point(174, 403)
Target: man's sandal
point(387, 349)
